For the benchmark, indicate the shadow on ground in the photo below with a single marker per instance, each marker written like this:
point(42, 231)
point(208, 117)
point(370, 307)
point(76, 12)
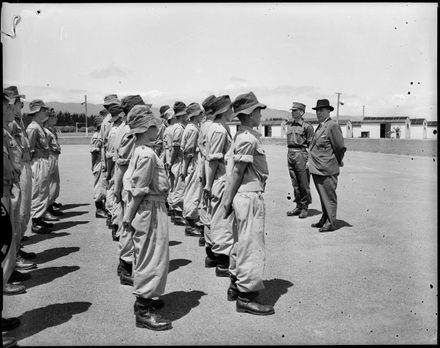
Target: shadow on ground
point(342, 223)
point(46, 275)
point(67, 224)
point(73, 213)
point(70, 206)
point(274, 288)
point(179, 303)
point(314, 212)
point(54, 253)
point(174, 242)
point(39, 319)
point(35, 238)
point(177, 263)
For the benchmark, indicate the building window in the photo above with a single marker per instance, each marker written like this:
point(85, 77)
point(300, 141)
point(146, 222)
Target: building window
point(365, 134)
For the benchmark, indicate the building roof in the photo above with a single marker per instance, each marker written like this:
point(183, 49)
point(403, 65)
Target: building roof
point(392, 119)
point(415, 121)
point(432, 123)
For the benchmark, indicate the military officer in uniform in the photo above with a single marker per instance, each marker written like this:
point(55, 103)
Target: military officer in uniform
point(299, 136)
point(326, 154)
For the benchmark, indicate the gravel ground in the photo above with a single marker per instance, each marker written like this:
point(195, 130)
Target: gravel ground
point(373, 281)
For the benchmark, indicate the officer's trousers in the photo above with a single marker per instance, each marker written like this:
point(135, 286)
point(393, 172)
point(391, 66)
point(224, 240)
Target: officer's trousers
point(151, 250)
point(54, 181)
point(175, 196)
point(40, 187)
point(326, 187)
point(299, 176)
point(125, 238)
point(26, 197)
point(248, 254)
point(219, 237)
point(192, 192)
point(8, 264)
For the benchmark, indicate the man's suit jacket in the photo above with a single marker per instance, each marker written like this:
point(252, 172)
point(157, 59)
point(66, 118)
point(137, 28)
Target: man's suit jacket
point(327, 149)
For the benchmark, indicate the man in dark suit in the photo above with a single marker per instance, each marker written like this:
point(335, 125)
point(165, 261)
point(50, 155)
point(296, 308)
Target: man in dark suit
point(326, 153)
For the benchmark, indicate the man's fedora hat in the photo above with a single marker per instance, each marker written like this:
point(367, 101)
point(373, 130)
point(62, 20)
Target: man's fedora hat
point(246, 103)
point(323, 103)
point(179, 108)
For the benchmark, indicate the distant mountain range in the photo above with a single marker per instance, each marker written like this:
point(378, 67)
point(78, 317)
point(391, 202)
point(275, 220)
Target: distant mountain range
point(93, 109)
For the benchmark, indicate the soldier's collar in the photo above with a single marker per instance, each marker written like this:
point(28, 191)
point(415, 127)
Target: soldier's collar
point(250, 130)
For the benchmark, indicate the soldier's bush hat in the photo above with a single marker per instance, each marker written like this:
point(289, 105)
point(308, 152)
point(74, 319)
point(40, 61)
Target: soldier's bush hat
point(193, 109)
point(12, 93)
point(207, 104)
point(111, 99)
point(323, 103)
point(140, 118)
point(179, 108)
point(36, 105)
point(169, 114)
point(162, 110)
point(128, 102)
point(220, 105)
point(246, 103)
point(296, 105)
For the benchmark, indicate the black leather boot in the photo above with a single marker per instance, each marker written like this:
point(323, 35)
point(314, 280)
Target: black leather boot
point(210, 259)
point(222, 268)
point(202, 238)
point(54, 211)
point(114, 231)
point(232, 290)
point(178, 219)
point(40, 222)
point(147, 318)
point(247, 303)
point(100, 211)
point(126, 273)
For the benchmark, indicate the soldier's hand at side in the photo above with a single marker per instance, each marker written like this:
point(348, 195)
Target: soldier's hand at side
point(206, 194)
point(227, 207)
point(117, 195)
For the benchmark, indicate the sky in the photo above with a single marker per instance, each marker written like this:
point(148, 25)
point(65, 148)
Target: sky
point(381, 57)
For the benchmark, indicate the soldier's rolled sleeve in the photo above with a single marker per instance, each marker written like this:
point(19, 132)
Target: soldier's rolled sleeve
point(176, 139)
point(244, 150)
point(309, 135)
point(216, 146)
point(142, 176)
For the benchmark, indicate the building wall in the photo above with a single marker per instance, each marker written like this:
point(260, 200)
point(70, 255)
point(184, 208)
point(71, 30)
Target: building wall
point(356, 132)
point(373, 128)
point(417, 132)
point(276, 131)
point(430, 132)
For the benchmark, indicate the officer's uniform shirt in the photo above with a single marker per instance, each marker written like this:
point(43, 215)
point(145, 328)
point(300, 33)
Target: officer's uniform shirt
point(218, 144)
point(19, 133)
point(247, 148)
point(299, 134)
point(38, 141)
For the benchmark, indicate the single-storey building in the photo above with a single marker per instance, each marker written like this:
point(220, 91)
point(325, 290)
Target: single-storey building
point(431, 130)
point(419, 128)
point(386, 127)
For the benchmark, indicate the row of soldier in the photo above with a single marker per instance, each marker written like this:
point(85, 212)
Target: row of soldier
point(31, 185)
point(186, 165)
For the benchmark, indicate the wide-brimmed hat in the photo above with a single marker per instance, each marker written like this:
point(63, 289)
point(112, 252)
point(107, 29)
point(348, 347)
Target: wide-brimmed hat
point(179, 108)
point(9, 100)
point(12, 93)
point(140, 118)
point(296, 105)
point(193, 109)
point(169, 114)
point(128, 102)
point(207, 104)
point(111, 99)
point(36, 105)
point(246, 103)
point(162, 110)
point(323, 103)
point(220, 105)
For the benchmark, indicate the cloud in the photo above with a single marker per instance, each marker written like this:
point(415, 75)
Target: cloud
point(237, 79)
point(111, 71)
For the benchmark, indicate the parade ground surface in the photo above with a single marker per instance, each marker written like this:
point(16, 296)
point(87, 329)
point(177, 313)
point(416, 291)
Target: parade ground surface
point(372, 281)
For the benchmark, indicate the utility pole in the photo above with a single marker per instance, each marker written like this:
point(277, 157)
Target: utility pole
point(85, 103)
point(363, 111)
point(337, 108)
